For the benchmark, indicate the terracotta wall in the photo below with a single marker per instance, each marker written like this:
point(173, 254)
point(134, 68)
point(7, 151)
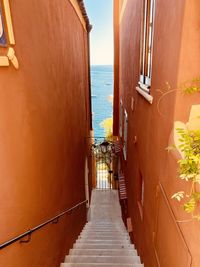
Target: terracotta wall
point(44, 119)
point(116, 69)
point(159, 238)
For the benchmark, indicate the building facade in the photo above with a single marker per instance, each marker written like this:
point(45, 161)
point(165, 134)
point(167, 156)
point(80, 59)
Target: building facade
point(157, 58)
point(45, 123)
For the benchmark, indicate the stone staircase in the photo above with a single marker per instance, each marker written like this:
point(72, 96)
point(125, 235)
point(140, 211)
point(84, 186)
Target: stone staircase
point(104, 240)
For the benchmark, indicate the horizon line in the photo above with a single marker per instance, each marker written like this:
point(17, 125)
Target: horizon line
point(101, 64)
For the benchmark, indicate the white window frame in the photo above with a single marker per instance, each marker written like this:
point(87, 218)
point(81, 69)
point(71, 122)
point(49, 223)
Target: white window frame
point(125, 134)
point(146, 44)
point(7, 53)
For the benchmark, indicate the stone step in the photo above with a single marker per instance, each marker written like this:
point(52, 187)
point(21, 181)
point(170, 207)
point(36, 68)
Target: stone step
point(104, 229)
point(104, 241)
point(100, 265)
point(98, 231)
point(103, 252)
point(102, 259)
point(94, 233)
point(100, 241)
point(113, 230)
point(103, 246)
point(105, 224)
point(104, 237)
point(100, 223)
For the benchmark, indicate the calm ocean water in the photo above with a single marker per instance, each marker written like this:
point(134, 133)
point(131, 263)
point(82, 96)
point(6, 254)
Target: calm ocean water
point(102, 88)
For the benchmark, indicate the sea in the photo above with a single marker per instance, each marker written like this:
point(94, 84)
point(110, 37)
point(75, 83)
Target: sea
point(102, 95)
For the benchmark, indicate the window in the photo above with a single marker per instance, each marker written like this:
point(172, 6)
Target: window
point(3, 41)
point(121, 119)
point(7, 40)
point(146, 44)
point(125, 134)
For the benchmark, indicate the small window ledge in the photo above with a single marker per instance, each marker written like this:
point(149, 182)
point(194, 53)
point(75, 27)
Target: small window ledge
point(147, 96)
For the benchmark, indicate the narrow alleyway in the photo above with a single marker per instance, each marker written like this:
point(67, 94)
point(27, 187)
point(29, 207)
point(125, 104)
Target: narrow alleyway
point(104, 240)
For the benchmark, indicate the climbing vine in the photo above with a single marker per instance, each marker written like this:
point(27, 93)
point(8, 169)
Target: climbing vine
point(187, 87)
point(189, 170)
point(189, 164)
point(191, 86)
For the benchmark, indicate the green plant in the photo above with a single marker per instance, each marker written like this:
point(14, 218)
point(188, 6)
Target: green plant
point(187, 87)
point(189, 170)
point(192, 86)
point(107, 124)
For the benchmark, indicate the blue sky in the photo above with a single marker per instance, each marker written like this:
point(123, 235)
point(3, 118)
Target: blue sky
point(100, 13)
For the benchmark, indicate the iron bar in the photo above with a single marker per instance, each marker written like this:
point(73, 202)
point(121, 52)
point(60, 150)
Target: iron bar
point(29, 232)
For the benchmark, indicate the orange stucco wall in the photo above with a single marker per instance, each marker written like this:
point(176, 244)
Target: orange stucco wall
point(116, 69)
point(159, 238)
point(44, 119)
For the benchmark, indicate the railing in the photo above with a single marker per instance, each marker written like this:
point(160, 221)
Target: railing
point(29, 232)
point(105, 151)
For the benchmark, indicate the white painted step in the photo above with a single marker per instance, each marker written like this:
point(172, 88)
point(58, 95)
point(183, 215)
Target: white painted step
point(103, 237)
point(103, 246)
point(97, 230)
point(113, 233)
point(104, 225)
point(104, 241)
point(92, 234)
point(103, 252)
point(100, 265)
point(102, 229)
point(101, 223)
point(100, 241)
point(102, 259)
point(105, 231)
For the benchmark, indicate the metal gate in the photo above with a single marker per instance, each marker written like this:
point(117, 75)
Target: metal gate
point(103, 153)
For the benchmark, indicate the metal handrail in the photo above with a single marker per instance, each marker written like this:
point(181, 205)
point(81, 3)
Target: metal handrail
point(29, 232)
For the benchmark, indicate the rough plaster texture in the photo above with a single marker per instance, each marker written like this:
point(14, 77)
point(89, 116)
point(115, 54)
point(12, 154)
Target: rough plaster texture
point(175, 60)
point(44, 119)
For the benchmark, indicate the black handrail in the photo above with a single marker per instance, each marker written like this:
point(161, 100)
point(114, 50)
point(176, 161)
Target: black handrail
point(29, 232)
